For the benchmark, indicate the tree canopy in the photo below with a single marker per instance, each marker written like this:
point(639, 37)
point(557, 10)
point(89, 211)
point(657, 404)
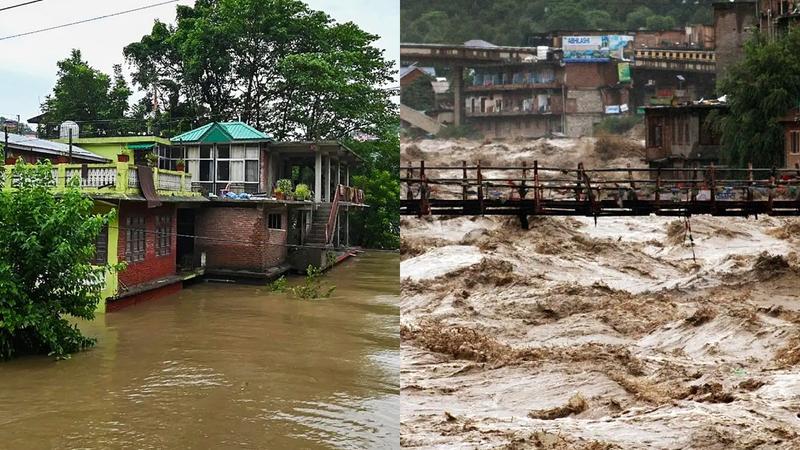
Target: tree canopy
point(275, 64)
point(83, 93)
point(506, 22)
point(760, 89)
point(47, 244)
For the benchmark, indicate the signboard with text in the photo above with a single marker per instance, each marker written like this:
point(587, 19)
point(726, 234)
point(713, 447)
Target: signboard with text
point(594, 48)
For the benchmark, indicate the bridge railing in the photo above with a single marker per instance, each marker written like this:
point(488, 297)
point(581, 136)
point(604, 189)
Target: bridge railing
point(535, 189)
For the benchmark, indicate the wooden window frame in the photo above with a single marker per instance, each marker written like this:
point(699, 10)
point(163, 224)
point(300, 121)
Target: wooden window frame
point(163, 235)
point(270, 223)
point(135, 239)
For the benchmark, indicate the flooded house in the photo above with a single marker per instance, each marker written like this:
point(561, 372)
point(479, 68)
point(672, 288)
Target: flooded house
point(211, 201)
point(142, 233)
point(253, 227)
point(680, 136)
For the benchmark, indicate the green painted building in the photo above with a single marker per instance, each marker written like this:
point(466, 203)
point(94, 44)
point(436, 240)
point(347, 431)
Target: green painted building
point(136, 147)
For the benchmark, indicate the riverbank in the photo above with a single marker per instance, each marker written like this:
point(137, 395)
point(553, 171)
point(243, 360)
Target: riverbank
point(220, 366)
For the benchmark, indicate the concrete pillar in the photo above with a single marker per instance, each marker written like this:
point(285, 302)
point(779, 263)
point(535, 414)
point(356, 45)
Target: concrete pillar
point(328, 197)
point(347, 227)
point(318, 177)
point(457, 85)
point(347, 175)
point(338, 172)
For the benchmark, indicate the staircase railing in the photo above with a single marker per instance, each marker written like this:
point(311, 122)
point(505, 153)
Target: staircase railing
point(332, 216)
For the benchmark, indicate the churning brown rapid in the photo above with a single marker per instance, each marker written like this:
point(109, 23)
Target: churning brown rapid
point(223, 366)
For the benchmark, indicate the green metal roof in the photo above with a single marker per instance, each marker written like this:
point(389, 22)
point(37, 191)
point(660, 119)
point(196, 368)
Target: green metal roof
point(141, 146)
point(217, 132)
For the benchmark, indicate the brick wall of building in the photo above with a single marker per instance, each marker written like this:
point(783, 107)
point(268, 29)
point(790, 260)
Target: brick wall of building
point(238, 238)
point(733, 25)
point(153, 267)
point(591, 75)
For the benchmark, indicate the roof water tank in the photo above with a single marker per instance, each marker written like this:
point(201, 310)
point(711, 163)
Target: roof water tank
point(64, 129)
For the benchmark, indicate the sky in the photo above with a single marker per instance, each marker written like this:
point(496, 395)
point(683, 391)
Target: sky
point(28, 64)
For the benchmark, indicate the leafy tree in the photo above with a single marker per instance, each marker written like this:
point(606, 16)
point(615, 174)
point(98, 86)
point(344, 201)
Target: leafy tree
point(507, 22)
point(660, 23)
point(275, 64)
point(85, 94)
point(566, 16)
point(46, 276)
point(760, 89)
point(378, 177)
point(419, 94)
point(637, 18)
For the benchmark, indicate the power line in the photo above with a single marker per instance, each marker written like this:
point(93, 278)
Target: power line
point(87, 20)
point(18, 5)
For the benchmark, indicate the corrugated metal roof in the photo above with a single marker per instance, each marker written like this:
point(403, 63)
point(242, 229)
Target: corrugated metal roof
point(33, 144)
point(405, 70)
point(238, 131)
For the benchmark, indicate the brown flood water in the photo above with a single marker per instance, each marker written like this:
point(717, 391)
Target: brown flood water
point(223, 366)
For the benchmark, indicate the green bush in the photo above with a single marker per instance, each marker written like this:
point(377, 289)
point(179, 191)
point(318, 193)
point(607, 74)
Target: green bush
point(279, 285)
point(302, 192)
point(47, 245)
point(284, 185)
point(312, 286)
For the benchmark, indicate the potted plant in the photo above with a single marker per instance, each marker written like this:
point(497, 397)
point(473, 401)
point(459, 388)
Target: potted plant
point(152, 159)
point(302, 192)
point(180, 165)
point(284, 187)
point(123, 157)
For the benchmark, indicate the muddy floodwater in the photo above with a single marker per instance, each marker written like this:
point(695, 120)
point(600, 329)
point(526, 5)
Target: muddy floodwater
point(223, 366)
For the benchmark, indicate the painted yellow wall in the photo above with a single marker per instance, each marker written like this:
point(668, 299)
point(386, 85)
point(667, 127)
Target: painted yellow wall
point(112, 280)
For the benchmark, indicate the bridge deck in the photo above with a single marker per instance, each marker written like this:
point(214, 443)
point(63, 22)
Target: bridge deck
point(533, 190)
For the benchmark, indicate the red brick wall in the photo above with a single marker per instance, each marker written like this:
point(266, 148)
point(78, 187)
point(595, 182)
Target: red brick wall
point(153, 267)
point(588, 75)
point(239, 238)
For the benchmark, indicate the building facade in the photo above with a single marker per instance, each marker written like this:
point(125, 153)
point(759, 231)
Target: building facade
point(791, 126)
point(681, 136)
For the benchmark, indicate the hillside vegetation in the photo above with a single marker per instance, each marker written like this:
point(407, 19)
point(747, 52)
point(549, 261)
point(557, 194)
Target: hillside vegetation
point(506, 22)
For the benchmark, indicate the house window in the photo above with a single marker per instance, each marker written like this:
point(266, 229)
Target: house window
point(275, 222)
point(655, 135)
point(135, 239)
point(686, 131)
point(163, 235)
point(794, 142)
point(101, 248)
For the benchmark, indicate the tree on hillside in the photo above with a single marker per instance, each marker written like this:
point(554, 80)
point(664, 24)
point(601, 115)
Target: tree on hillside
point(760, 89)
point(47, 244)
point(506, 22)
point(83, 93)
point(419, 94)
point(275, 64)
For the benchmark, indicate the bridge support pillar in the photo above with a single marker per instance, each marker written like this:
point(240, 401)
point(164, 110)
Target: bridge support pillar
point(457, 86)
point(523, 221)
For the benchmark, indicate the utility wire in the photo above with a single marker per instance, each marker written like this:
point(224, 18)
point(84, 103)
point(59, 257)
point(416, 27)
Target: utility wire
point(86, 20)
point(21, 4)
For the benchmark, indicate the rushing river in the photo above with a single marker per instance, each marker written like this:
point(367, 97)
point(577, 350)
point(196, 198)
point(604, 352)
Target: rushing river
point(223, 366)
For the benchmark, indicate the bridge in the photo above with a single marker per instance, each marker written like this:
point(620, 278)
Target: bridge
point(534, 190)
